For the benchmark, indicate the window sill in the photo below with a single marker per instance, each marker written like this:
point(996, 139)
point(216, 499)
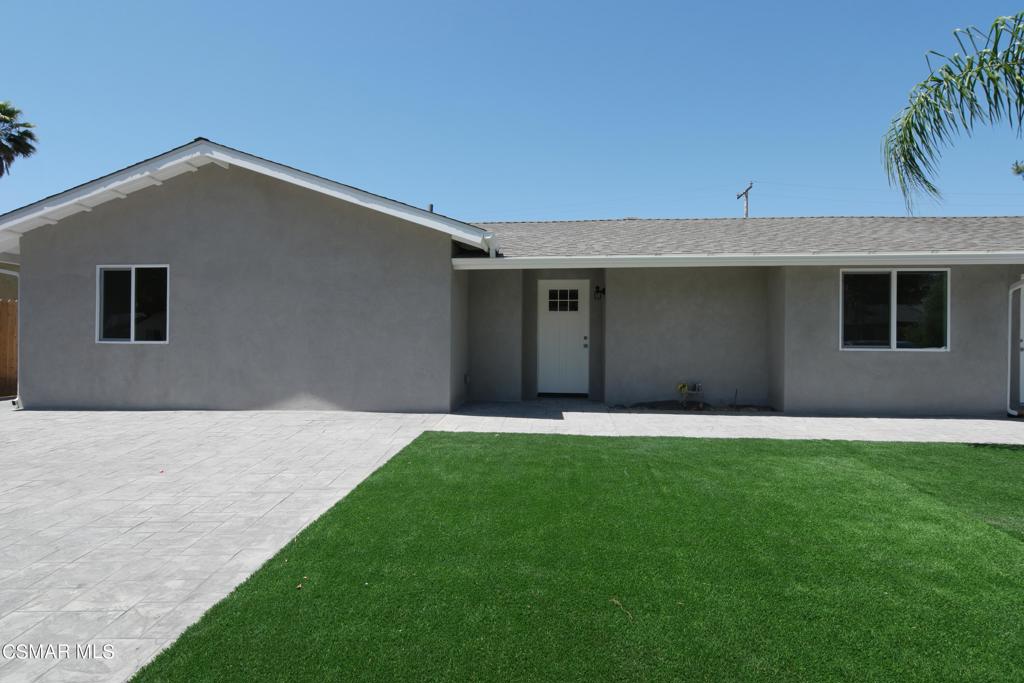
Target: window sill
point(884, 349)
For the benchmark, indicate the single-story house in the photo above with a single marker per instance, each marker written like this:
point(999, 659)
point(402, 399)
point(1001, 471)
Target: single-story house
point(209, 278)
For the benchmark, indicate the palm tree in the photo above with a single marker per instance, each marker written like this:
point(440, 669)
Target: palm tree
point(16, 137)
point(982, 84)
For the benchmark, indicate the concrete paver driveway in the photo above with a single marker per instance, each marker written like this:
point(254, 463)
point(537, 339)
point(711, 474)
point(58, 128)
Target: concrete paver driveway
point(121, 529)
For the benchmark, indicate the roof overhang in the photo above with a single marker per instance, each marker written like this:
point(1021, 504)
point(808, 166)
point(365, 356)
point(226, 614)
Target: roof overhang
point(930, 258)
point(197, 154)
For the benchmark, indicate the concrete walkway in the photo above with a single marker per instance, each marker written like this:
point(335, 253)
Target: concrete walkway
point(574, 416)
point(121, 529)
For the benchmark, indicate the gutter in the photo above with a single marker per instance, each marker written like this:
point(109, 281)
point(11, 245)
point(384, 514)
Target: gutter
point(490, 241)
point(929, 258)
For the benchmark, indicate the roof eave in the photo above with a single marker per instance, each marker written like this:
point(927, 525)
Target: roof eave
point(930, 258)
point(192, 157)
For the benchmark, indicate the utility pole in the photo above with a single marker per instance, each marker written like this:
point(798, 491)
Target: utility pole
point(746, 199)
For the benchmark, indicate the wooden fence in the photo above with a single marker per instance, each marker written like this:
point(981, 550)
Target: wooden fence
point(8, 347)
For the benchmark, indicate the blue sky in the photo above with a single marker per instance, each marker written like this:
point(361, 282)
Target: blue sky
point(519, 110)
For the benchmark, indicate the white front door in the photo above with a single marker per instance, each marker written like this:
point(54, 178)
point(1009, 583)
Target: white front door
point(563, 337)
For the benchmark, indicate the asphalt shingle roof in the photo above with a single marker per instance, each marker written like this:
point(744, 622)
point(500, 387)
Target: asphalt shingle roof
point(825, 235)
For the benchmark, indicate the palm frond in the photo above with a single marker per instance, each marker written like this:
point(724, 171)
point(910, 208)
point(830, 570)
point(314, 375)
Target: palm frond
point(983, 84)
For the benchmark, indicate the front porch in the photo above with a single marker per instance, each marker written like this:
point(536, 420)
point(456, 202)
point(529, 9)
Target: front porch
point(769, 337)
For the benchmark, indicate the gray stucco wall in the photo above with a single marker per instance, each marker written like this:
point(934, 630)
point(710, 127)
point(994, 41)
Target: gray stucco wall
point(460, 338)
point(280, 298)
point(496, 335)
point(776, 338)
point(669, 325)
point(597, 328)
point(969, 379)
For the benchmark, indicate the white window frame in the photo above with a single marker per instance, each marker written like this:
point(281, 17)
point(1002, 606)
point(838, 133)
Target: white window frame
point(892, 309)
point(131, 333)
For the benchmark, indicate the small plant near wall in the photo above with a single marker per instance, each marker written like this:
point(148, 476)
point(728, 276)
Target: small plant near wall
point(690, 391)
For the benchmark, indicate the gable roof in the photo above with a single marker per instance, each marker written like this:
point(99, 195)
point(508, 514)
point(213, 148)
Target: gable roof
point(193, 156)
point(843, 240)
point(750, 241)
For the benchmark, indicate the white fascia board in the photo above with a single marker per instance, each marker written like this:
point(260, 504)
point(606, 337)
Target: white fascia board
point(196, 154)
point(8, 257)
point(89, 195)
point(711, 260)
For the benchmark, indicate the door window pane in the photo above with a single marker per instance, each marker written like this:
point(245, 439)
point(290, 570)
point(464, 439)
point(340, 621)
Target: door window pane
point(563, 300)
point(866, 310)
point(921, 309)
point(150, 304)
point(115, 305)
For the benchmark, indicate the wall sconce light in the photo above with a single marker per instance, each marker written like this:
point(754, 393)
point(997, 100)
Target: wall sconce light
point(598, 293)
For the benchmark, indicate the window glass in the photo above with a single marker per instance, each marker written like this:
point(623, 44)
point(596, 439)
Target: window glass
point(866, 310)
point(150, 304)
point(921, 309)
point(563, 300)
point(115, 305)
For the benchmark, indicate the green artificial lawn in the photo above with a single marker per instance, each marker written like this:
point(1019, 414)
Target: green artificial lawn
point(538, 557)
